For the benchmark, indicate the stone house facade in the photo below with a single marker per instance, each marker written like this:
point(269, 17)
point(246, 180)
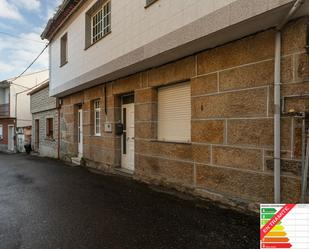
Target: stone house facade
point(226, 151)
point(45, 126)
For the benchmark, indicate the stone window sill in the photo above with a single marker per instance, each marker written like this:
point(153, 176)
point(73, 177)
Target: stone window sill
point(93, 43)
point(170, 142)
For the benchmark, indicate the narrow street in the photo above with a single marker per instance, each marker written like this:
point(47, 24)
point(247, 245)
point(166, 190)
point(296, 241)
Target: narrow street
point(45, 204)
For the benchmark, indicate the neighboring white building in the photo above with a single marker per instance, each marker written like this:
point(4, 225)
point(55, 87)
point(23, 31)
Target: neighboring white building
point(15, 115)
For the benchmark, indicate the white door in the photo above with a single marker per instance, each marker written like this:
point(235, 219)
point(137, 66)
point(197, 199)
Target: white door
point(11, 138)
point(80, 133)
point(127, 145)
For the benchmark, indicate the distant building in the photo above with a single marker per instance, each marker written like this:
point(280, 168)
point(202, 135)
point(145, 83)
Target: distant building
point(15, 115)
point(44, 121)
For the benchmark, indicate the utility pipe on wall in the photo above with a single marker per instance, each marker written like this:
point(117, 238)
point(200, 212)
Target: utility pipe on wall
point(277, 116)
point(277, 99)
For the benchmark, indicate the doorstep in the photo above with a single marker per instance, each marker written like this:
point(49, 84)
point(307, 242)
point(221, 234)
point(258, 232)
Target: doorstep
point(124, 172)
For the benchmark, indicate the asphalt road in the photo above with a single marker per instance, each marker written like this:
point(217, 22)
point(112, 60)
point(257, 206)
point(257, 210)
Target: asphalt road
point(45, 204)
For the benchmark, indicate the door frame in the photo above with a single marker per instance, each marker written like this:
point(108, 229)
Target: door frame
point(36, 134)
point(80, 137)
point(11, 139)
point(124, 138)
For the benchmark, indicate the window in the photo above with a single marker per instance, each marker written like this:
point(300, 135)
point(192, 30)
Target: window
point(149, 2)
point(98, 21)
point(174, 113)
point(97, 123)
point(64, 50)
point(50, 128)
point(1, 132)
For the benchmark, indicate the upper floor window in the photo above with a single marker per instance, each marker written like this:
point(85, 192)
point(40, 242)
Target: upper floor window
point(97, 123)
point(64, 49)
point(98, 21)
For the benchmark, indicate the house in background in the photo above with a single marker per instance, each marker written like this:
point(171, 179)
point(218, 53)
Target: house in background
point(15, 115)
point(181, 93)
point(45, 114)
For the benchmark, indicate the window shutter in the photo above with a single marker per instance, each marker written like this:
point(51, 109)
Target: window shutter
point(174, 113)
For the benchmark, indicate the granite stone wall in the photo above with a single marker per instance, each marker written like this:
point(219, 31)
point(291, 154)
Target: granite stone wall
point(230, 157)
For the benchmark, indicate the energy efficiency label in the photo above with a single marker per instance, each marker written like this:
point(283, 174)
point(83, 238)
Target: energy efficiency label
point(284, 226)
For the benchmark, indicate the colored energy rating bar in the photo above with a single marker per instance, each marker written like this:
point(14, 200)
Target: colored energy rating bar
point(276, 234)
point(264, 222)
point(271, 239)
point(276, 245)
point(278, 228)
point(269, 210)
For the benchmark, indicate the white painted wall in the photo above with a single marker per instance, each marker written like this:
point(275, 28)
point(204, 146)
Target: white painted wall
point(24, 117)
point(132, 27)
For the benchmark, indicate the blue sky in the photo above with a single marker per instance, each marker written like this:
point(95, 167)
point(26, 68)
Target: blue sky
point(26, 20)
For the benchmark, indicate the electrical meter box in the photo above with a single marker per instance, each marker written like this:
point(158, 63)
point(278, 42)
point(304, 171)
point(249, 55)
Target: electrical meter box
point(108, 127)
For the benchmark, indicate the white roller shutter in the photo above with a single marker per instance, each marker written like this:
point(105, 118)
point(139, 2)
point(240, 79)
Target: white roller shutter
point(174, 113)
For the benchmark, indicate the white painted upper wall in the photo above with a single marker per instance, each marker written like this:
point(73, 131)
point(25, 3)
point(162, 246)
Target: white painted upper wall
point(133, 26)
point(19, 89)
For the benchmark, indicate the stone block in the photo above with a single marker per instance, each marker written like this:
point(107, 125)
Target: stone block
point(287, 69)
point(146, 130)
point(295, 89)
point(287, 166)
point(164, 170)
point(127, 85)
point(247, 50)
point(254, 75)
point(176, 71)
point(252, 186)
point(94, 93)
point(146, 95)
point(257, 132)
point(241, 158)
point(302, 67)
point(146, 112)
point(201, 153)
point(204, 84)
point(210, 131)
point(77, 98)
point(294, 36)
point(247, 103)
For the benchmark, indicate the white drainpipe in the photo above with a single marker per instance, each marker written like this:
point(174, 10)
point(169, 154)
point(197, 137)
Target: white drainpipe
point(277, 100)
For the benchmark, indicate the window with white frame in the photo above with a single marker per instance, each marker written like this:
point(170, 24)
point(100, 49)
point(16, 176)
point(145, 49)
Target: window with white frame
point(174, 113)
point(1, 132)
point(97, 121)
point(101, 22)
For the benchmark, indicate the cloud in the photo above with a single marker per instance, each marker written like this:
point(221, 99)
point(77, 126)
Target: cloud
point(33, 5)
point(18, 53)
point(9, 11)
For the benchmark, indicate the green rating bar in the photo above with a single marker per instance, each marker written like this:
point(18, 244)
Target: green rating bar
point(267, 216)
point(269, 210)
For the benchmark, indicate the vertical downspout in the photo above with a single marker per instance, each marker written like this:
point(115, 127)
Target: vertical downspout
point(277, 100)
point(58, 147)
point(59, 132)
point(277, 116)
